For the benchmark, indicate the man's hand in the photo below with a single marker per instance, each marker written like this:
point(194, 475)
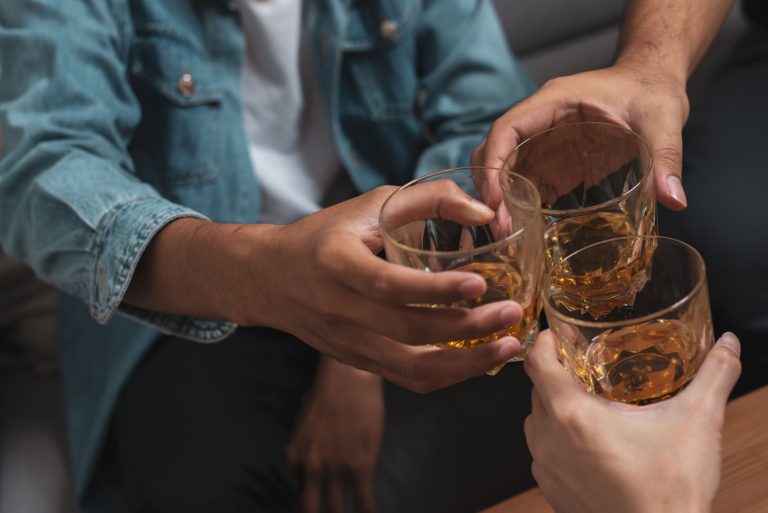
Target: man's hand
point(339, 297)
point(650, 102)
point(335, 445)
point(662, 41)
point(593, 455)
point(320, 280)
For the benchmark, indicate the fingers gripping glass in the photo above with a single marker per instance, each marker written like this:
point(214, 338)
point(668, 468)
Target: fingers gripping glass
point(428, 225)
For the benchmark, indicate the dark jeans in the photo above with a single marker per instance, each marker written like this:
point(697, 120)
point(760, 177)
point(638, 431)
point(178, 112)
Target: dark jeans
point(725, 173)
point(203, 428)
point(456, 450)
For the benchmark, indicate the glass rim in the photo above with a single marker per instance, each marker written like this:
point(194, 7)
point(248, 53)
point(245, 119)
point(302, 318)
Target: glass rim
point(648, 172)
point(700, 282)
point(469, 252)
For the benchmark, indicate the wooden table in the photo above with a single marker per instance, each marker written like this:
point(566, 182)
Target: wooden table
point(744, 483)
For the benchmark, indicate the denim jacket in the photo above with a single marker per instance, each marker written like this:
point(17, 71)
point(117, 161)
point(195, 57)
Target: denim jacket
point(119, 116)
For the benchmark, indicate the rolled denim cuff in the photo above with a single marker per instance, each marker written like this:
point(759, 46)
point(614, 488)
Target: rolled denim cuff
point(123, 237)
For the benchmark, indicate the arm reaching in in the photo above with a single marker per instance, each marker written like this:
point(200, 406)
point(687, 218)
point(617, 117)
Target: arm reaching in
point(662, 42)
point(320, 279)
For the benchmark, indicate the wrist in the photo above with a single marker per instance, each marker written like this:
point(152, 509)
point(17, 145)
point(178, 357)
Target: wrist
point(657, 38)
point(674, 74)
point(655, 84)
point(643, 57)
point(248, 265)
point(205, 269)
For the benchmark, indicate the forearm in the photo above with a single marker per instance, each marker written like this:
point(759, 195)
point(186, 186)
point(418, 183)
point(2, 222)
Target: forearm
point(203, 269)
point(670, 35)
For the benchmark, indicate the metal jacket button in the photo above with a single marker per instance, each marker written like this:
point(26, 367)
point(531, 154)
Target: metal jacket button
point(388, 29)
point(186, 85)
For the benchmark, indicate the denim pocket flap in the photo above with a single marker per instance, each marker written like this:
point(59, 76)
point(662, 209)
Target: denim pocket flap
point(175, 67)
point(178, 142)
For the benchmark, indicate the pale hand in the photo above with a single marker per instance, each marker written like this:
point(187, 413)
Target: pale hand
point(335, 445)
point(592, 455)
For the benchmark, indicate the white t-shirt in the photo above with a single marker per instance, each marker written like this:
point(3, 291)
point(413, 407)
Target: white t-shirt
point(288, 128)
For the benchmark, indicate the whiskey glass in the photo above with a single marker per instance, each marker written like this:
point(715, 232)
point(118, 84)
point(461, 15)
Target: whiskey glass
point(631, 316)
point(507, 252)
point(595, 183)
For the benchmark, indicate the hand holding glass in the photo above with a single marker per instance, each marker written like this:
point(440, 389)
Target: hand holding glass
point(506, 249)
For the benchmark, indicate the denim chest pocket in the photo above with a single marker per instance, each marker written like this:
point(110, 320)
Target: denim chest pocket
point(380, 55)
point(178, 141)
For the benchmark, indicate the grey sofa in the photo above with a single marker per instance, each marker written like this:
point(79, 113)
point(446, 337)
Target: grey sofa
point(552, 37)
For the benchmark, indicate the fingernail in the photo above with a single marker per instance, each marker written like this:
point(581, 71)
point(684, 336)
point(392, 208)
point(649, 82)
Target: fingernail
point(729, 341)
point(510, 315)
point(675, 189)
point(481, 208)
point(509, 349)
point(472, 288)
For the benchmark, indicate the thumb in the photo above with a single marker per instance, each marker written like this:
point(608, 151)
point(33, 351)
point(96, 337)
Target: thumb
point(551, 380)
point(666, 141)
point(718, 374)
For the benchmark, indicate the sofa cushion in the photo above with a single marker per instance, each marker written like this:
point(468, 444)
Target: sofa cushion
point(534, 25)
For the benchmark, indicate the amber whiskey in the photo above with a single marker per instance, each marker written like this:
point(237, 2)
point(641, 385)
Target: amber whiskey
point(504, 282)
point(640, 364)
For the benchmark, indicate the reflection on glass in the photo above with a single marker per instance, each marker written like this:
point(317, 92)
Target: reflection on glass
point(595, 183)
point(507, 252)
point(631, 316)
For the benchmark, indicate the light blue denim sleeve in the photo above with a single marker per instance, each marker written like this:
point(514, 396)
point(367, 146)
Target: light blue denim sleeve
point(70, 205)
point(469, 78)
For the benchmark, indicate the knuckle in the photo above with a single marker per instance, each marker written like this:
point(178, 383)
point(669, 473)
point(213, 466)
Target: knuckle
point(571, 417)
point(381, 285)
point(554, 83)
point(383, 192)
point(326, 252)
point(670, 154)
point(726, 359)
point(528, 428)
point(447, 188)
